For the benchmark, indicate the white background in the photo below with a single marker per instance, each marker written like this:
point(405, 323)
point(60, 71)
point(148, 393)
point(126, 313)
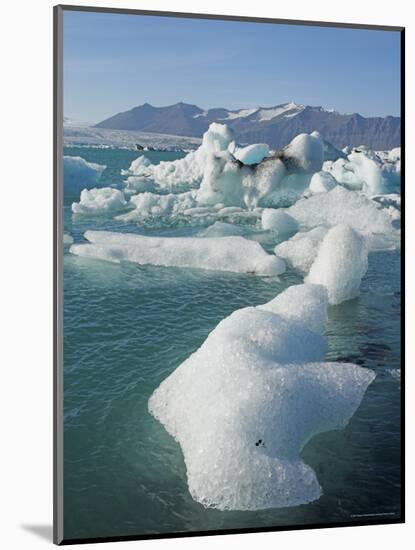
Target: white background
point(26, 269)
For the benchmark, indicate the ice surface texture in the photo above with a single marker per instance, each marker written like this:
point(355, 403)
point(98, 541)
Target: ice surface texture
point(234, 254)
point(99, 201)
point(80, 174)
point(243, 406)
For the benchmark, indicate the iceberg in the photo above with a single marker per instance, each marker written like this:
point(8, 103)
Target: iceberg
point(185, 173)
point(221, 173)
point(278, 221)
point(234, 254)
point(98, 202)
point(79, 174)
point(321, 182)
point(300, 251)
point(244, 405)
point(340, 264)
point(342, 206)
point(371, 172)
point(252, 154)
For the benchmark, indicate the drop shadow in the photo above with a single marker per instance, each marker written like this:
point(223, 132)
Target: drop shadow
point(44, 532)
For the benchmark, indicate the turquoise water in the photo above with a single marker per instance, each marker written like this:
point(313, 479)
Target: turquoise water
point(126, 327)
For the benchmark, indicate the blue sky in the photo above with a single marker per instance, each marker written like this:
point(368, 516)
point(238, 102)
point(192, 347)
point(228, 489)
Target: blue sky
point(114, 62)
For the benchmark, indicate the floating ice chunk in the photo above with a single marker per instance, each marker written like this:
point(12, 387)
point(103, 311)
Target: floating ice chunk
point(321, 182)
point(368, 171)
point(252, 154)
point(394, 154)
point(67, 239)
point(341, 206)
point(304, 153)
point(139, 184)
point(139, 167)
point(80, 174)
point(340, 264)
point(234, 254)
point(188, 171)
point(278, 221)
point(306, 304)
point(301, 250)
point(243, 406)
point(97, 202)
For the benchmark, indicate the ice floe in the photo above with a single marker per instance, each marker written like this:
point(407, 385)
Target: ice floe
point(243, 406)
point(234, 254)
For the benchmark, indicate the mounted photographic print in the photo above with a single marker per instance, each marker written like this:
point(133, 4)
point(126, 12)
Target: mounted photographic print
point(228, 274)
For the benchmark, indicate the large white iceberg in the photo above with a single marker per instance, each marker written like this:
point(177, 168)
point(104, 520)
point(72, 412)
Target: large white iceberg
point(79, 174)
point(243, 406)
point(340, 264)
point(223, 174)
point(234, 254)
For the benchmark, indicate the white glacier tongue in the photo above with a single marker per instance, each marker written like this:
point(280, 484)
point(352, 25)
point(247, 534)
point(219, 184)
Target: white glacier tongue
point(234, 254)
point(243, 406)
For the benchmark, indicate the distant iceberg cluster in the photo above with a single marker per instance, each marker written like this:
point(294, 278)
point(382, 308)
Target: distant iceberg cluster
point(243, 406)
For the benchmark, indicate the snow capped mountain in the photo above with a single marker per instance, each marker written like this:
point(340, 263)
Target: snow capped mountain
point(276, 125)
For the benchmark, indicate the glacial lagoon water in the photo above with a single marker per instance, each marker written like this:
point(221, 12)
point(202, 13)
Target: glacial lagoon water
point(126, 327)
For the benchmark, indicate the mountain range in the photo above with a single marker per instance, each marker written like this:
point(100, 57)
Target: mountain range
point(276, 125)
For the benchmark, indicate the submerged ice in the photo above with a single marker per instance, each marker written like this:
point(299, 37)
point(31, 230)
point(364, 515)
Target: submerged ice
point(243, 406)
